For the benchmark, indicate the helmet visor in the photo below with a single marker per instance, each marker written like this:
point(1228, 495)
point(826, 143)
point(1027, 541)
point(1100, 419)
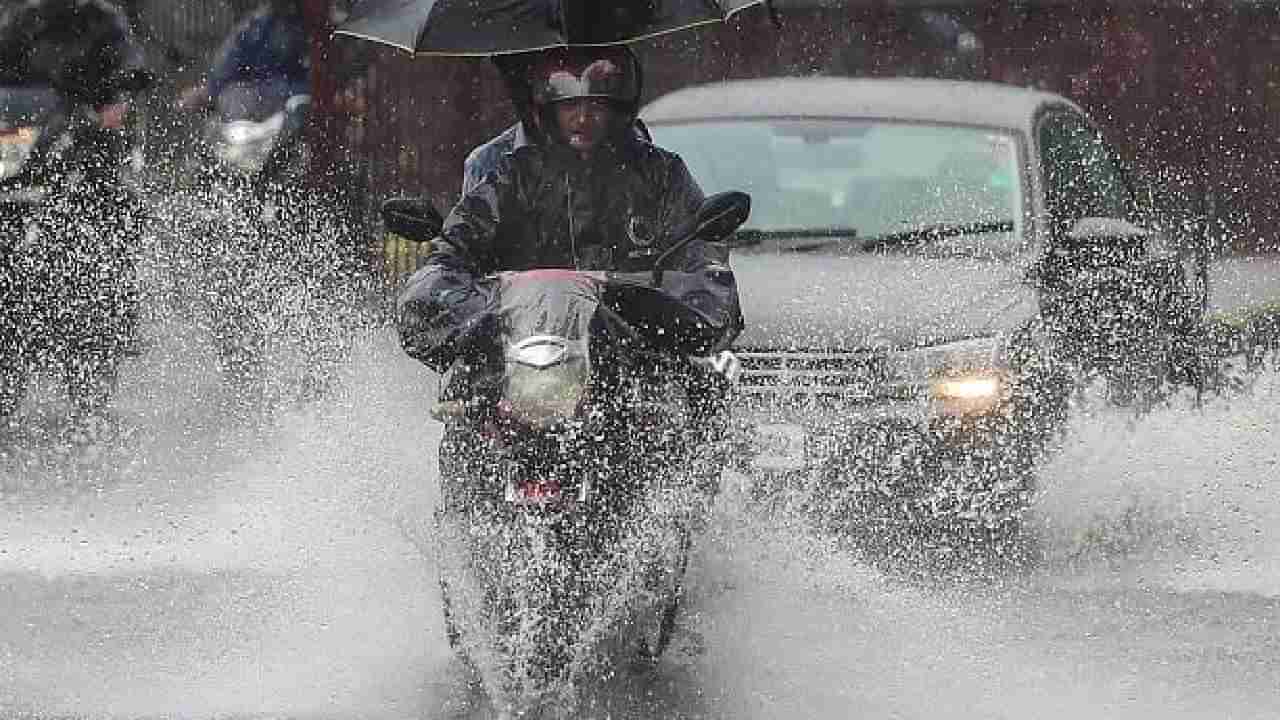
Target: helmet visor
point(607, 76)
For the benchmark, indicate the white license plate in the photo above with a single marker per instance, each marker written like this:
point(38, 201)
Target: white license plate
point(534, 494)
point(779, 446)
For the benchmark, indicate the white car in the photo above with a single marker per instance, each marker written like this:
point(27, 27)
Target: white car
point(928, 268)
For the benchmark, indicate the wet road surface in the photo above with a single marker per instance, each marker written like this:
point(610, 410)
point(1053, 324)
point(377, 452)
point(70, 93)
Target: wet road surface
point(216, 566)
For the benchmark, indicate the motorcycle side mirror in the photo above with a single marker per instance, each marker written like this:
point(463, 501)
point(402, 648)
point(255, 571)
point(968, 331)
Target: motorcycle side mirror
point(411, 218)
point(717, 218)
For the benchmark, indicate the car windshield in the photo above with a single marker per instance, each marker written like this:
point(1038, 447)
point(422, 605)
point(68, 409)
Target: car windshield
point(869, 178)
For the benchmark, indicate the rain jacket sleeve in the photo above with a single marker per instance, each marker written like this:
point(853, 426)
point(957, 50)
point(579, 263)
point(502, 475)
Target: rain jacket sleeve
point(468, 239)
point(703, 286)
point(484, 159)
point(705, 315)
point(264, 46)
point(442, 312)
point(446, 305)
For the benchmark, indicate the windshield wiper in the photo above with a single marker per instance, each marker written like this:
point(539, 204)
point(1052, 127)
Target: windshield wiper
point(819, 238)
point(933, 233)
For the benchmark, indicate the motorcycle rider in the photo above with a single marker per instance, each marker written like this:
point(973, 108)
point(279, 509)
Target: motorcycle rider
point(578, 188)
point(271, 43)
point(85, 50)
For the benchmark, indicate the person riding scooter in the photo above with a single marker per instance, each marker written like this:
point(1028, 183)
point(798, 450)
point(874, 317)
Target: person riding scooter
point(259, 86)
point(581, 190)
point(68, 72)
point(270, 44)
point(566, 298)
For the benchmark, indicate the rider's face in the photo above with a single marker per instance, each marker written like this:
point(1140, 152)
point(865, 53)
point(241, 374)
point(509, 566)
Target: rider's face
point(584, 123)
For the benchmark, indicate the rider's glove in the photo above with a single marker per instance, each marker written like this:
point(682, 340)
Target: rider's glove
point(443, 313)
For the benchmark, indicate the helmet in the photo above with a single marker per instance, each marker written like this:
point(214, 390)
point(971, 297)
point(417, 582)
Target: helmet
point(540, 79)
point(572, 73)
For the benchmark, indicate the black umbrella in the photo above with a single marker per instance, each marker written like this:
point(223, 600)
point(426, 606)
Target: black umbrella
point(495, 27)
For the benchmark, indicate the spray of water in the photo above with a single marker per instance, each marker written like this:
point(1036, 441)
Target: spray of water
point(249, 563)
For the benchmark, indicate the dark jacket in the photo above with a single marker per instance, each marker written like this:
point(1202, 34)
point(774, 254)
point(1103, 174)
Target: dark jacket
point(268, 45)
point(83, 48)
point(486, 158)
point(542, 208)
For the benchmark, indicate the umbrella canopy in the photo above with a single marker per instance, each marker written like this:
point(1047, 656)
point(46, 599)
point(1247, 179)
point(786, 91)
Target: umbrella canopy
point(495, 27)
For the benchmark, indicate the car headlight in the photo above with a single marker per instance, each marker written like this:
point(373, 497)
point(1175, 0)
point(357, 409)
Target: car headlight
point(967, 393)
point(16, 145)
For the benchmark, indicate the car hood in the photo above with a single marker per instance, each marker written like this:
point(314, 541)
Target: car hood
point(818, 301)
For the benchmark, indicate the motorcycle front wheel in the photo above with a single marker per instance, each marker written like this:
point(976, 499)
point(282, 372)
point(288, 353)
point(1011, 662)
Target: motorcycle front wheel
point(655, 635)
point(13, 384)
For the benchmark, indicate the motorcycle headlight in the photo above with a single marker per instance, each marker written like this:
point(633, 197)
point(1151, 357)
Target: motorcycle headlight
point(542, 398)
point(545, 384)
point(16, 145)
point(245, 144)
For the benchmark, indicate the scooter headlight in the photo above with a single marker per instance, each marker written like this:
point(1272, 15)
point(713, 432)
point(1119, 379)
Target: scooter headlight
point(16, 145)
point(245, 144)
point(545, 383)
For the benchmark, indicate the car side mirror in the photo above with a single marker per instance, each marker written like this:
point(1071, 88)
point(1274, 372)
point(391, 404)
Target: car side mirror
point(716, 219)
point(1090, 229)
point(411, 218)
point(1103, 242)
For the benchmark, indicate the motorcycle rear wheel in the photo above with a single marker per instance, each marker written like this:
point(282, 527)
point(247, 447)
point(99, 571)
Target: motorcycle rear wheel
point(451, 632)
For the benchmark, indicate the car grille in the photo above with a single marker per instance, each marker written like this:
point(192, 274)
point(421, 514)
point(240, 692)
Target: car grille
point(810, 376)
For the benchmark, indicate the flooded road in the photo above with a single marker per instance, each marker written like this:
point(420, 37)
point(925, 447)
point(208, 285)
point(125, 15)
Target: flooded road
point(220, 567)
point(1160, 597)
point(241, 567)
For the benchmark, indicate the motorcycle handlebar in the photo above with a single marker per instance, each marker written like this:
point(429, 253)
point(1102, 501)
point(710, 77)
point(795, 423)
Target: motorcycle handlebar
point(617, 321)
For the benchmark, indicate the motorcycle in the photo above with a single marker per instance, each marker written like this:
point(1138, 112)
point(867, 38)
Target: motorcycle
point(268, 278)
point(569, 494)
point(69, 226)
point(252, 143)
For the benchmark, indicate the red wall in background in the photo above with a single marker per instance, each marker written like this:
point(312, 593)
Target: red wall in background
point(1189, 91)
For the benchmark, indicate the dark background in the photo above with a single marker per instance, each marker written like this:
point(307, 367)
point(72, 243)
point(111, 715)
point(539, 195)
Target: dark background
point(1190, 90)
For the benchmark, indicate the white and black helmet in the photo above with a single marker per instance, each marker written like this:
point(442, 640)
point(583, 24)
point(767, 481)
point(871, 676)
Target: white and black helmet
point(608, 73)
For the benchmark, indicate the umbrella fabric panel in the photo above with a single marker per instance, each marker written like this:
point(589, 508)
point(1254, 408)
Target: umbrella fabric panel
point(490, 27)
